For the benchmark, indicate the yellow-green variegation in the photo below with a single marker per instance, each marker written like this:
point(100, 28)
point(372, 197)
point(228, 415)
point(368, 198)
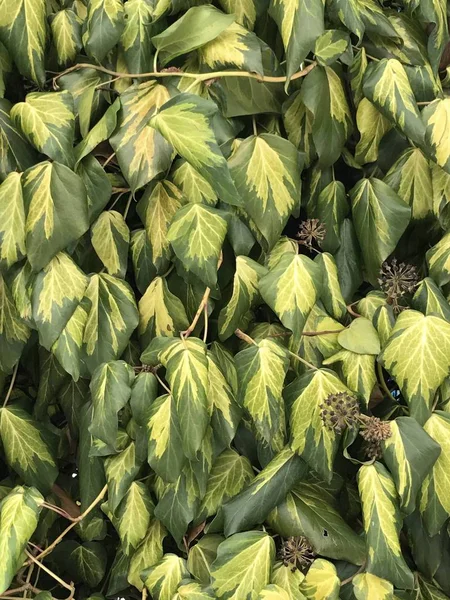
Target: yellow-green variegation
point(321, 581)
point(436, 117)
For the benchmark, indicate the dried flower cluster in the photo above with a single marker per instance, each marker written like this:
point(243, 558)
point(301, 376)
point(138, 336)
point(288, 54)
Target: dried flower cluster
point(397, 280)
point(339, 411)
point(311, 232)
point(297, 553)
point(374, 431)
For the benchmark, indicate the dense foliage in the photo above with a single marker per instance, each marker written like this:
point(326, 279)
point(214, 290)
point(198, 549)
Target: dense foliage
point(224, 314)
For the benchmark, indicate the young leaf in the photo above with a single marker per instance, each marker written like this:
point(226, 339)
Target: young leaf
point(163, 579)
point(382, 523)
point(367, 586)
point(185, 122)
point(330, 46)
point(360, 337)
point(321, 581)
point(266, 170)
point(422, 370)
point(243, 565)
point(110, 240)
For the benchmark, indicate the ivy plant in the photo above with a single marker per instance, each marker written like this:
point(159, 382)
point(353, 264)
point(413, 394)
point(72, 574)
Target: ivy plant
point(224, 299)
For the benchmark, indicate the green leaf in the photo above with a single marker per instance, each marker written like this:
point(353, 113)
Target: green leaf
point(19, 515)
point(243, 565)
point(380, 218)
point(422, 370)
point(410, 178)
point(298, 124)
point(110, 240)
point(348, 261)
point(435, 117)
point(330, 46)
point(197, 233)
point(331, 295)
point(161, 313)
point(316, 444)
point(273, 592)
point(433, 11)
point(386, 85)
point(121, 471)
point(110, 390)
point(47, 121)
point(321, 581)
point(410, 454)
point(97, 183)
point(193, 185)
point(438, 259)
point(429, 299)
point(382, 523)
point(198, 26)
point(101, 131)
point(26, 448)
point(165, 453)
point(245, 12)
point(372, 126)
point(15, 152)
point(289, 580)
point(245, 293)
point(367, 586)
point(261, 370)
point(141, 151)
point(12, 221)
point(132, 518)
point(233, 47)
point(229, 475)
point(52, 223)
point(163, 579)
point(360, 337)
point(300, 23)
point(110, 317)
point(291, 289)
point(252, 505)
point(57, 291)
point(323, 94)
point(305, 512)
point(83, 562)
point(434, 499)
point(66, 34)
point(202, 555)
point(357, 370)
point(23, 30)
point(331, 209)
point(136, 36)
point(104, 26)
point(147, 554)
point(266, 170)
point(185, 122)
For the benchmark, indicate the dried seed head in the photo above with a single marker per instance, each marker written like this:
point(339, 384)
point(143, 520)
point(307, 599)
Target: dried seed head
point(396, 280)
point(297, 553)
point(339, 411)
point(310, 231)
point(374, 431)
point(171, 70)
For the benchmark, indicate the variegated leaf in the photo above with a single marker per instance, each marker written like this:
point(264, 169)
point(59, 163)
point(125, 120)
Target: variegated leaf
point(436, 117)
point(372, 126)
point(235, 47)
point(110, 240)
point(14, 332)
point(148, 553)
point(163, 579)
point(367, 586)
point(12, 221)
point(66, 33)
point(321, 581)
point(104, 25)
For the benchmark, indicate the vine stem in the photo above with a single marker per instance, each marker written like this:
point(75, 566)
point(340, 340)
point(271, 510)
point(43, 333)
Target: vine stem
point(352, 577)
point(383, 382)
point(198, 76)
point(68, 586)
point(11, 385)
point(91, 507)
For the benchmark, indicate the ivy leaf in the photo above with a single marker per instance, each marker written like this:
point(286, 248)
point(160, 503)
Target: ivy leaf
point(379, 216)
point(429, 299)
point(433, 11)
point(110, 240)
point(266, 170)
point(121, 470)
point(330, 46)
point(132, 518)
point(243, 565)
point(323, 94)
point(357, 370)
point(12, 219)
point(15, 152)
point(386, 85)
point(410, 178)
point(165, 453)
point(360, 337)
point(245, 293)
point(101, 131)
point(305, 512)
point(19, 516)
point(136, 36)
point(104, 26)
point(410, 454)
point(197, 233)
point(288, 580)
point(47, 121)
point(252, 505)
point(300, 23)
point(84, 562)
point(382, 523)
point(185, 122)
point(202, 555)
point(244, 12)
point(273, 592)
point(141, 151)
point(110, 390)
point(246, 54)
point(316, 444)
point(298, 122)
point(148, 553)
point(331, 295)
point(51, 222)
point(26, 448)
point(438, 259)
point(366, 585)
point(291, 288)
point(321, 581)
point(434, 504)
point(261, 370)
point(66, 34)
point(373, 126)
point(435, 116)
point(198, 26)
point(23, 31)
point(422, 371)
point(193, 185)
point(57, 291)
point(331, 209)
point(163, 579)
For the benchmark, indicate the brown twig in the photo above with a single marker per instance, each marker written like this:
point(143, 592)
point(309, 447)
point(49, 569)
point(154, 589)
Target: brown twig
point(68, 586)
point(350, 579)
point(11, 385)
point(198, 76)
point(351, 311)
point(324, 332)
